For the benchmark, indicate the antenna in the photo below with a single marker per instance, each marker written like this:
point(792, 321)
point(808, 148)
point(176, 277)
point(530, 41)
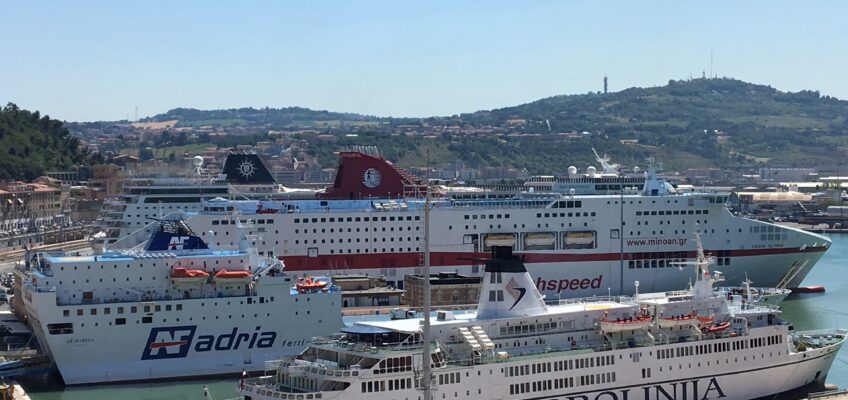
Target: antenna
point(711, 64)
point(425, 329)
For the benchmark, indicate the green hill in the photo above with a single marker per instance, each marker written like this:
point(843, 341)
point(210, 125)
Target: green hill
point(266, 117)
point(31, 144)
point(724, 120)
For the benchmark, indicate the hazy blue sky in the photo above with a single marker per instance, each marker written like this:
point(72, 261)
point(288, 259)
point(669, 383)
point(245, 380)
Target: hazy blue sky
point(95, 60)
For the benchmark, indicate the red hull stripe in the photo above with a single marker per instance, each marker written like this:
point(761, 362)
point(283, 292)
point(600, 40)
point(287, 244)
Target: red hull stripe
point(444, 259)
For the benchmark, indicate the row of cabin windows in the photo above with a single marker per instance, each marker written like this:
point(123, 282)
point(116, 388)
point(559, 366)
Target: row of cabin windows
point(449, 379)
point(121, 310)
point(115, 266)
point(674, 212)
point(366, 240)
point(562, 215)
point(390, 385)
point(528, 329)
point(736, 345)
point(356, 219)
point(391, 365)
point(349, 230)
point(560, 383)
point(154, 308)
point(391, 250)
point(483, 216)
point(767, 229)
point(563, 365)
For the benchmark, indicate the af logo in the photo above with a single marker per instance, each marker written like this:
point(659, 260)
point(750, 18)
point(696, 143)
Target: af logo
point(246, 169)
point(371, 178)
point(515, 291)
point(177, 242)
point(168, 342)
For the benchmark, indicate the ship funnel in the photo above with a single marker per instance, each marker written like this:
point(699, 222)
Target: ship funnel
point(508, 290)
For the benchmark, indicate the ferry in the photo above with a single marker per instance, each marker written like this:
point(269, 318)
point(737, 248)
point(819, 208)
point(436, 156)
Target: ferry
point(690, 344)
point(369, 222)
point(171, 307)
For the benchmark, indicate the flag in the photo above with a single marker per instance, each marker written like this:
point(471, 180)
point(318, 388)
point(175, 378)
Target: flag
point(241, 381)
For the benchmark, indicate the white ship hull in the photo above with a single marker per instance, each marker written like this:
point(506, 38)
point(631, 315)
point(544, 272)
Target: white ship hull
point(210, 336)
point(634, 374)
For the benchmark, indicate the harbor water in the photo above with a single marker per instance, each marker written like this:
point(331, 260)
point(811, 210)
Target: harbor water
point(808, 311)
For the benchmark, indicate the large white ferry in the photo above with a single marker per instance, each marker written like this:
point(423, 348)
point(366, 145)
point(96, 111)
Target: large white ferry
point(693, 344)
point(369, 221)
point(171, 307)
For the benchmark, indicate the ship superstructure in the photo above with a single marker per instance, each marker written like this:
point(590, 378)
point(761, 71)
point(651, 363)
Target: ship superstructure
point(692, 344)
point(370, 221)
point(170, 307)
point(591, 234)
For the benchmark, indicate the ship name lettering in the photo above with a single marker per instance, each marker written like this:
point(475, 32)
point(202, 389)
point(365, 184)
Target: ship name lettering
point(569, 284)
point(686, 390)
point(234, 339)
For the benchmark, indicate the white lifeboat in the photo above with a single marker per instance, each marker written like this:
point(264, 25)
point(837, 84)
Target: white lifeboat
point(540, 239)
point(683, 320)
point(505, 240)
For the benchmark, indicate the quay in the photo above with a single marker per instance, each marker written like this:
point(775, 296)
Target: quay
point(841, 394)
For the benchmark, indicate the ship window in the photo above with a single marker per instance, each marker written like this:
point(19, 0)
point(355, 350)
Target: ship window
point(133, 309)
point(120, 321)
point(107, 311)
point(179, 307)
point(120, 310)
point(61, 328)
point(146, 320)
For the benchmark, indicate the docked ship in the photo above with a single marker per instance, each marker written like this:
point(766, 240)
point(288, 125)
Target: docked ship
point(691, 344)
point(369, 222)
point(142, 198)
point(170, 307)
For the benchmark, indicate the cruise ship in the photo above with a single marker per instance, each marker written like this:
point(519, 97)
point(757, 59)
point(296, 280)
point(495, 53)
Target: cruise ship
point(171, 307)
point(620, 230)
point(369, 222)
point(691, 344)
point(243, 176)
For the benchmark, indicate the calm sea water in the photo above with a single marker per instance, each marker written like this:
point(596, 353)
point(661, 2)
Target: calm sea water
point(815, 311)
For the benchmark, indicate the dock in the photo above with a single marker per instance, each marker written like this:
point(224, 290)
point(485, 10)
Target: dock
point(829, 395)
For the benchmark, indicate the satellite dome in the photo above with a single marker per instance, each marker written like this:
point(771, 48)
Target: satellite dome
point(572, 170)
point(197, 161)
point(591, 171)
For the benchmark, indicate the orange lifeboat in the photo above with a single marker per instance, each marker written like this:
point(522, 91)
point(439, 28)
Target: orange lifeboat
point(717, 328)
point(308, 284)
point(183, 275)
point(225, 276)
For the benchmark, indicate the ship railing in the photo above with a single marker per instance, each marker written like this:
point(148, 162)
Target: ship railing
point(267, 386)
point(302, 367)
point(39, 289)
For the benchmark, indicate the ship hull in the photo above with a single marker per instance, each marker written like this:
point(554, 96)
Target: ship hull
point(212, 336)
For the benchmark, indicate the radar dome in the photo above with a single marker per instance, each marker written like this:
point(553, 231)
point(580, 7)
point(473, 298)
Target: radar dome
point(197, 161)
point(572, 170)
point(591, 171)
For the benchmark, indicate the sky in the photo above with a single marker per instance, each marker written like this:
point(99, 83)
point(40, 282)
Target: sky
point(87, 60)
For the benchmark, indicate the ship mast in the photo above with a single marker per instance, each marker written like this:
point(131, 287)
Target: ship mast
point(426, 358)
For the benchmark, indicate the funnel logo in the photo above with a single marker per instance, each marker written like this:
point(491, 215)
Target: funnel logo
point(169, 342)
point(516, 292)
point(246, 169)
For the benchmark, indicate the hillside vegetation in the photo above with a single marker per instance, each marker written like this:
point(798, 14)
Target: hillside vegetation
point(717, 122)
point(31, 144)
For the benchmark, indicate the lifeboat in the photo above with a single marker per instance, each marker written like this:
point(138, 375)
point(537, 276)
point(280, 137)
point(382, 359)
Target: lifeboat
point(183, 275)
point(504, 240)
point(308, 284)
point(539, 239)
point(717, 328)
point(225, 276)
point(680, 320)
point(260, 209)
point(626, 324)
point(580, 238)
